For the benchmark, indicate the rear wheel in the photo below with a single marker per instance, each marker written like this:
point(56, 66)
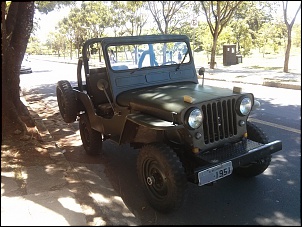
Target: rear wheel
point(259, 166)
point(66, 101)
point(162, 176)
point(92, 139)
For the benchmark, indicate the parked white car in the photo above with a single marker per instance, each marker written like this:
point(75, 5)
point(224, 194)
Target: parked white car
point(25, 66)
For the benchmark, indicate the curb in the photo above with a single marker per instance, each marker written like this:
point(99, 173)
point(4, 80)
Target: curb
point(281, 85)
point(264, 83)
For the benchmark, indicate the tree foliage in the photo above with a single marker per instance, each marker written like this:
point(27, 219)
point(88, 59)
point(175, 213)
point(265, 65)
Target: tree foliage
point(134, 13)
point(246, 27)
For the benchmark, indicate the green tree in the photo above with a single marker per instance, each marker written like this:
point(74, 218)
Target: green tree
point(203, 40)
point(16, 28)
point(268, 37)
point(65, 27)
point(134, 12)
point(89, 20)
point(297, 35)
point(289, 26)
point(169, 16)
point(243, 35)
point(218, 15)
point(255, 14)
point(55, 41)
point(34, 46)
point(94, 18)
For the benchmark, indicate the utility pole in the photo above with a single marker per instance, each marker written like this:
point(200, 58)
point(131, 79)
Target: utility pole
point(194, 25)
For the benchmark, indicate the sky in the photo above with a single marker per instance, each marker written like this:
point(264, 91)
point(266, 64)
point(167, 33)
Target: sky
point(49, 22)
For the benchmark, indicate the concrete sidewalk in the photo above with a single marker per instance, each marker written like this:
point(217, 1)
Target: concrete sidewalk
point(270, 78)
point(60, 193)
point(43, 199)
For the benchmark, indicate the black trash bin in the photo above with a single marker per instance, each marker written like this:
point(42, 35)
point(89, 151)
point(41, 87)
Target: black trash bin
point(229, 54)
point(238, 59)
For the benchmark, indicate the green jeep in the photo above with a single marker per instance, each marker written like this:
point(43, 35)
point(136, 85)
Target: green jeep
point(136, 90)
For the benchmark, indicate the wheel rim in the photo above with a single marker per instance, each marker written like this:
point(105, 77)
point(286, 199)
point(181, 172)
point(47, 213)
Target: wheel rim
point(155, 179)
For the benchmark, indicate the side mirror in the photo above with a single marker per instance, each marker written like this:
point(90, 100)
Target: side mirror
point(102, 84)
point(201, 71)
point(256, 105)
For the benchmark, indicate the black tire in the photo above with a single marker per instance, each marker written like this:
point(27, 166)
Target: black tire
point(92, 139)
point(66, 101)
point(162, 176)
point(254, 168)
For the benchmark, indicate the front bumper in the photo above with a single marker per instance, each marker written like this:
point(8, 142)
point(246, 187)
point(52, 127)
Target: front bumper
point(239, 154)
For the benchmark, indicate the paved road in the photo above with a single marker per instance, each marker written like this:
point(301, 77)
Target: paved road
point(109, 182)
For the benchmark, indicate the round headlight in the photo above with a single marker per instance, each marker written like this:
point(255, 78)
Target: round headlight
point(245, 106)
point(195, 118)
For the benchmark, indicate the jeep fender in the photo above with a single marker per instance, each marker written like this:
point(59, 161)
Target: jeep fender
point(134, 121)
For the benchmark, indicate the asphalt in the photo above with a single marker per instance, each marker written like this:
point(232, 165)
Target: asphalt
point(48, 199)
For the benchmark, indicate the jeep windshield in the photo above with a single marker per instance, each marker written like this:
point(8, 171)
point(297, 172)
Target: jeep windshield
point(144, 55)
point(147, 55)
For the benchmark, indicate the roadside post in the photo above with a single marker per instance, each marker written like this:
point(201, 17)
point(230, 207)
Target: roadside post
point(194, 24)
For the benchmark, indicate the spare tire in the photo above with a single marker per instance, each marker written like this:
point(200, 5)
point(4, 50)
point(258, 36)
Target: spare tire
point(66, 101)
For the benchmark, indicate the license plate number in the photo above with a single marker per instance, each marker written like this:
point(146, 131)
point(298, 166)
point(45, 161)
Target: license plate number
point(215, 173)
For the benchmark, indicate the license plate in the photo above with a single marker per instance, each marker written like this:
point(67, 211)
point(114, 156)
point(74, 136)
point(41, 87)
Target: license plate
point(215, 173)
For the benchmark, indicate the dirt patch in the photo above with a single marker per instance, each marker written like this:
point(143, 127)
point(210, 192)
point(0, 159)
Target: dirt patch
point(18, 151)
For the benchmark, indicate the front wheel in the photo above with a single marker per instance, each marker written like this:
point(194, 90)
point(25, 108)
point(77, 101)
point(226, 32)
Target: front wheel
point(259, 166)
point(162, 176)
point(92, 139)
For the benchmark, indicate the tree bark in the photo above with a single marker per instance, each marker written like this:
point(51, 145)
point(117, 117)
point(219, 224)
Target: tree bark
point(16, 30)
point(213, 52)
point(287, 52)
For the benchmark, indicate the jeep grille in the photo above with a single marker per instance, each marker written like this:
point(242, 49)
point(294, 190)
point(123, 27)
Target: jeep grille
point(219, 120)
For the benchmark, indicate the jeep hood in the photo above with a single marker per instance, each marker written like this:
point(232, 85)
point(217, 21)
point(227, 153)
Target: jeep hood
point(167, 100)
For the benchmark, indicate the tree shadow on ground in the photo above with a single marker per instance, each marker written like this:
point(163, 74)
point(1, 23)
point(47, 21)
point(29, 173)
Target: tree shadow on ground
point(108, 189)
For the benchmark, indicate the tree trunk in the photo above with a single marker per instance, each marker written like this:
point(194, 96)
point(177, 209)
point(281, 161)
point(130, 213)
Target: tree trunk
point(15, 29)
point(287, 52)
point(70, 50)
point(213, 52)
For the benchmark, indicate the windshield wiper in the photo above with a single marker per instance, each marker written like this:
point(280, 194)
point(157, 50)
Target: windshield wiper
point(177, 68)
